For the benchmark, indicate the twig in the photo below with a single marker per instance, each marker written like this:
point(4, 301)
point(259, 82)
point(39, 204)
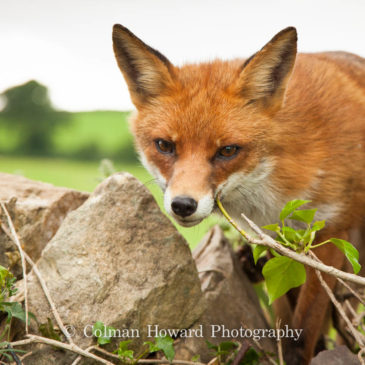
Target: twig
point(267, 241)
point(22, 342)
point(49, 298)
point(24, 268)
point(280, 347)
point(241, 353)
point(359, 355)
point(352, 291)
point(78, 359)
point(358, 337)
point(70, 347)
point(140, 361)
point(352, 311)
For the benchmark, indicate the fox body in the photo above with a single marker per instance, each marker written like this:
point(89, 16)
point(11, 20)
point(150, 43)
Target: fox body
point(257, 133)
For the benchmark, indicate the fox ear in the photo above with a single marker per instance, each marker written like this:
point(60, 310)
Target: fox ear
point(265, 75)
point(146, 71)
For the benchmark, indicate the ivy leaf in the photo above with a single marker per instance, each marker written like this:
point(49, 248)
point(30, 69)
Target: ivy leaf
point(195, 358)
point(123, 351)
point(102, 332)
point(271, 227)
point(350, 252)
point(151, 346)
point(258, 251)
point(251, 358)
point(317, 226)
point(291, 206)
point(282, 274)
point(227, 346)
point(291, 234)
point(166, 345)
point(211, 346)
point(305, 215)
point(15, 309)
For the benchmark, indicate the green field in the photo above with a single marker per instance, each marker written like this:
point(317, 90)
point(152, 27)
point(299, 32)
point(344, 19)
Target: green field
point(108, 130)
point(85, 176)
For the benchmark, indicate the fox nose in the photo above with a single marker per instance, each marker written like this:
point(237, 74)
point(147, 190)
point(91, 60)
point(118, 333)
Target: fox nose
point(183, 206)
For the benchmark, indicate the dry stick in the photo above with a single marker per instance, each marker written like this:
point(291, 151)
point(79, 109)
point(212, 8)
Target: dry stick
point(141, 361)
point(17, 243)
point(241, 353)
point(44, 287)
point(352, 291)
point(70, 347)
point(358, 337)
point(280, 347)
point(77, 360)
point(359, 356)
point(49, 298)
point(267, 241)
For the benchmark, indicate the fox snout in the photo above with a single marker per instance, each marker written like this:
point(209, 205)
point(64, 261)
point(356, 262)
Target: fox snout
point(187, 210)
point(183, 206)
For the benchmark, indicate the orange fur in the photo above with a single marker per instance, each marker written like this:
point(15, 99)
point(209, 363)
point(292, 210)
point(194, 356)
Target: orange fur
point(299, 122)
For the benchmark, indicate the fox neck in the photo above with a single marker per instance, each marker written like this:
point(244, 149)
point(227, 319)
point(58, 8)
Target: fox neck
point(253, 194)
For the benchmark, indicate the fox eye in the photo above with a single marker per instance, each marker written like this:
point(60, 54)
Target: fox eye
point(227, 152)
point(165, 147)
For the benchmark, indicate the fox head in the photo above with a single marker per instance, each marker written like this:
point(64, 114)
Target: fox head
point(201, 130)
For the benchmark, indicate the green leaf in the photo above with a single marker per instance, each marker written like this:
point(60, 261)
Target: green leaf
point(251, 357)
point(282, 274)
point(14, 309)
point(102, 332)
point(274, 253)
point(271, 227)
point(317, 226)
point(291, 234)
point(305, 215)
point(123, 351)
point(47, 330)
point(152, 346)
point(166, 345)
point(195, 358)
point(226, 347)
point(211, 346)
point(291, 206)
point(258, 251)
point(350, 252)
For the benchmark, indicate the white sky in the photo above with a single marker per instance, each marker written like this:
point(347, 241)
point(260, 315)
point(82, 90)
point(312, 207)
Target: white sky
point(67, 44)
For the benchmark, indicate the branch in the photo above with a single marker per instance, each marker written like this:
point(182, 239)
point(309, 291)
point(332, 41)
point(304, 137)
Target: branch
point(70, 347)
point(358, 337)
point(280, 347)
point(267, 241)
point(24, 268)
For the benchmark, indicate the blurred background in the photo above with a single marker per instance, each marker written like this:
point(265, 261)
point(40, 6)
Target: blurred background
point(64, 104)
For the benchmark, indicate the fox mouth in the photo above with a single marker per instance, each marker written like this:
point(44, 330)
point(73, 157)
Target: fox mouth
point(185, 222)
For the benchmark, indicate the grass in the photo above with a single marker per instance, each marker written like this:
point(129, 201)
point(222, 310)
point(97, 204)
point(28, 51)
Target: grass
point(85, 176)
point(106, 130)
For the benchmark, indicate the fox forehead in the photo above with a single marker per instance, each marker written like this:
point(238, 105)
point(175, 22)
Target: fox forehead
point(201, 107)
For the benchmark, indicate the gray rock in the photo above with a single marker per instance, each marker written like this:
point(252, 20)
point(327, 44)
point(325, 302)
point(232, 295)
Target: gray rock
point(119, 260)
point(37, 210)
point(340, 355)
point(230, 297)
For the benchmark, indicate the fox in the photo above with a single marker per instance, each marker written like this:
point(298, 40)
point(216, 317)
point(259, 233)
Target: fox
point(257, 133)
